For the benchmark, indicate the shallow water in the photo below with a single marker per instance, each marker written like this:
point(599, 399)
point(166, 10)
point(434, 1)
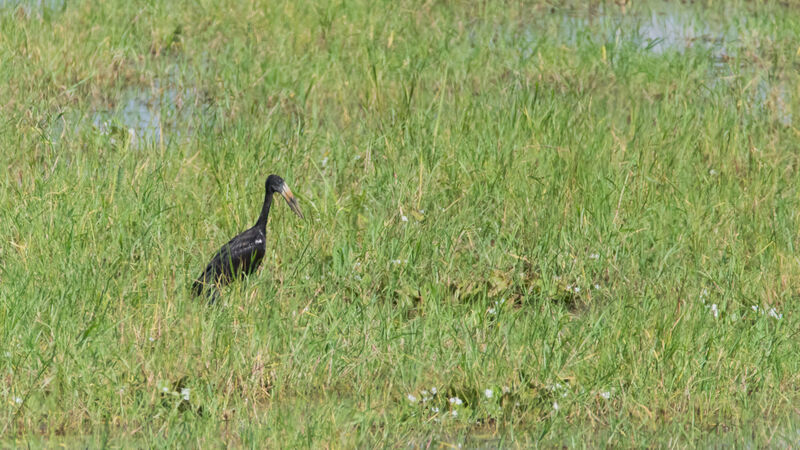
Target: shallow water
point(135, 116)
point(32, 6)
point(672, 28)
point(774, 98)
point(154, 115)
point(667, 28)
point(680, 29)
point(168, 111)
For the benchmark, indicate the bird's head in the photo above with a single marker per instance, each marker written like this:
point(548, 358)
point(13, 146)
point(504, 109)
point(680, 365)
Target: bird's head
point(276, 184)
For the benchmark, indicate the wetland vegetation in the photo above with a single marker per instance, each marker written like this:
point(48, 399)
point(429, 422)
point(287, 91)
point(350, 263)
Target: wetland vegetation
point(527, 223)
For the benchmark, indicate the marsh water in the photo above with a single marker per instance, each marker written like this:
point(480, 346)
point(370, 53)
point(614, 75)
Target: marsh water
point(170, 110)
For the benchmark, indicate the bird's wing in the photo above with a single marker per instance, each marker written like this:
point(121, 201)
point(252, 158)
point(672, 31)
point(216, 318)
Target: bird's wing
point(241, 247)
point(229, 258)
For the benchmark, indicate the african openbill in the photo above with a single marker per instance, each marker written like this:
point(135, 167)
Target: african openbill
point(243, 254)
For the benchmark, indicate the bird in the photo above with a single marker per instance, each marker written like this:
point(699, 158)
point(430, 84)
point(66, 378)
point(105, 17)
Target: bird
point(243, 254)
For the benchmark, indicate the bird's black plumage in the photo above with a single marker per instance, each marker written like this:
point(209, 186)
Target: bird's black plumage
point(243, 254)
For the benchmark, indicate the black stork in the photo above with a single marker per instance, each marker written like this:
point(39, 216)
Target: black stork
point(243, 254)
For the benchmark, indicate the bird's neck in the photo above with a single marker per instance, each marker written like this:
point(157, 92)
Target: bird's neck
point(262, 219)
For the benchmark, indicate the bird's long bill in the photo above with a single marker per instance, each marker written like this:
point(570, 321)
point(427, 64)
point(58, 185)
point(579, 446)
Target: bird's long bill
point(291, 200)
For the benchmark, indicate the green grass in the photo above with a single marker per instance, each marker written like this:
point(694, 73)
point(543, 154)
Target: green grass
point(576, 198)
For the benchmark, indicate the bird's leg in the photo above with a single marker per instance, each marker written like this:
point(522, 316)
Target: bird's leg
point(214, 294)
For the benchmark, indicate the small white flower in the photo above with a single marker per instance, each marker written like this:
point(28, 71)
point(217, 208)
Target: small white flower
point(577, 289)
point(506, 389)
point(411, 398)
point(165, 389)
point(455, 413)
point(357, 157)
point(555, 406)
point(324, 161)
point(151, 339)
point(488, 393)
point(17, 400)
point(715, 310)
point(492, 311)
point(713, 172)
point(455, 401)
point(397, 261)
point(434, 391)
point(594, 256)
point(425, 399)
point(422, 211)
point(404, 218)
point(569, 288)
point(773, 313)
point(435, 409)
point(754, 308)
point(605, 394)
point(424, 392)
point(597, 286)
point(185, 394)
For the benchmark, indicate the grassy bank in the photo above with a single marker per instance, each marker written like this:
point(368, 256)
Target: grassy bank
point(576, 224)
